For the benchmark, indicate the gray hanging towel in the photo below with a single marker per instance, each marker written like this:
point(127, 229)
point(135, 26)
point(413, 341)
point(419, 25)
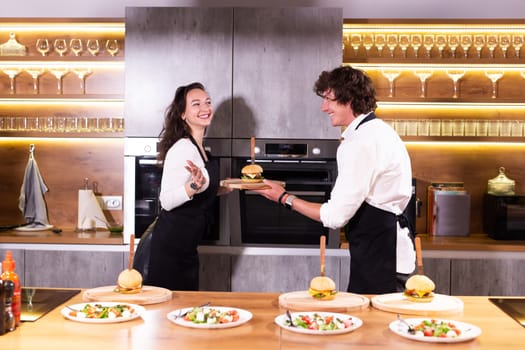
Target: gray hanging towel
point(31, 201)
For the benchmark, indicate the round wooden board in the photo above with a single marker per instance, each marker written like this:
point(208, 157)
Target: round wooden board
point(398, 303)
point(241, 185)
point(302, 301)
point(148, 295)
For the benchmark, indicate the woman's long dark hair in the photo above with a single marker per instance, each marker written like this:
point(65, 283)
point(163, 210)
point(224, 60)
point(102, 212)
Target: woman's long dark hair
point(174, 127)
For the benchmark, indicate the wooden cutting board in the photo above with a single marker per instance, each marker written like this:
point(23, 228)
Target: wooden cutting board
point(241, 185)
point(148, 295)
point(302, 301)
point(397, 303)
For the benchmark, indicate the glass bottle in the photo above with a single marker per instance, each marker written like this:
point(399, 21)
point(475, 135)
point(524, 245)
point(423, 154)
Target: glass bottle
point(8, 268)
point(9, 319)
point(2, 308)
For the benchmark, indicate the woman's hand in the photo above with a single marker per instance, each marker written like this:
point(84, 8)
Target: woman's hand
point(197, 177)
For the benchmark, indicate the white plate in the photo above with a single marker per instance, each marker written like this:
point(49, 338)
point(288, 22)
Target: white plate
point(468, 331)
point(31, 228)
point(138, 312)
point(281, 321)
point(244, 316)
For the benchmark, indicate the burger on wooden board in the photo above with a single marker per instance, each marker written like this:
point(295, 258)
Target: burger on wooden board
point(322, 288)
point(420, 289)
point(252, 173)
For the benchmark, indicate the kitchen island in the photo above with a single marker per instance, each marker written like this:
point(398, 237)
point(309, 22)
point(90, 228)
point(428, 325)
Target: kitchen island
point(154, 331)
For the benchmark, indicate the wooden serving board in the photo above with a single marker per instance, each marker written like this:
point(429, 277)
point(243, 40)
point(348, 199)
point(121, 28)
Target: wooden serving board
point(241, 185)
point(398, 303)
point(148, 295)
point(302, 301)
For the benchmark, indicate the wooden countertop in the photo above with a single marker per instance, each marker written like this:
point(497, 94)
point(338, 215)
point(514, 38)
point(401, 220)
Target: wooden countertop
point(154, 331)
point(67, 236)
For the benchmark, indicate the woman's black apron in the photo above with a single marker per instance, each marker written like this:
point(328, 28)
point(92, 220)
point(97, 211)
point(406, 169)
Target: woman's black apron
point(372, 237)
point(174, 260)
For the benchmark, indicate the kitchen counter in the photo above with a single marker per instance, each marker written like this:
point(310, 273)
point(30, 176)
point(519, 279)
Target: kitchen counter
point(67, 236)
point(154, 331)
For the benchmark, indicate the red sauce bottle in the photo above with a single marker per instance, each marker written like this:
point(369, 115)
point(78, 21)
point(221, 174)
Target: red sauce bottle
point(8, 268)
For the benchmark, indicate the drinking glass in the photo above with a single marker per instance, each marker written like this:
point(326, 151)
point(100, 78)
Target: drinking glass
point(12, 72)
point(82, 73)
point(380, 42)
point(458, 127)
point(423, 75)
point(423, 127)
point(411, 127)
point(441, 43)
point(59, 73)
point(416, 41)
point(112, 47)
point(93, 46)
point(60, 47)
point(391, 75)
point(453, 43)
point(517, 43)
point(479, 43)
point(35, 72)
point(466, 43)
point(504, 127)
point(494, 76)
point(504, 43)
point(482, 127)
point(447, 127)
point(434, 127)
point(492, 43)
point(368, 42)
point(428, 43)
point(42, 46)
point(516, 128)
point(76, 46)
point(455, 75)
point(404, 43)
point(391, 43)
point(470, 127)
point(522, 74)
point(493, 128)
point(355, 42)
point(401, 127)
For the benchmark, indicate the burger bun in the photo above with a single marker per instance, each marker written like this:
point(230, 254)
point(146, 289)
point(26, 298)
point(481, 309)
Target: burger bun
point(129, 282)
point(419, 288)
point(322, 288)
point(252, 173)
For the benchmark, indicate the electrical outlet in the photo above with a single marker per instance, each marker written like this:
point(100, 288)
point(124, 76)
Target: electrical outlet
point(110, 202)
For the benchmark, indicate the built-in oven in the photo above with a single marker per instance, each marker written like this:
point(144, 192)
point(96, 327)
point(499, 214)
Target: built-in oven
point(308, 169)
point(143, 174)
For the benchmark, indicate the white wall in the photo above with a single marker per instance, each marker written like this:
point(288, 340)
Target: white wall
point(351, 8)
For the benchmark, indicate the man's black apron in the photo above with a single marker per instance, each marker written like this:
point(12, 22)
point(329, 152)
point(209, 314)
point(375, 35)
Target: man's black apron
point(372, 237)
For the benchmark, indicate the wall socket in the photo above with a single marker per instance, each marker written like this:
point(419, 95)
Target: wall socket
point(110, 202)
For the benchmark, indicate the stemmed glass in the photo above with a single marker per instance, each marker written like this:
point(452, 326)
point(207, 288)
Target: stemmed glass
point(59, 73)
point(466, 43)
point(441, 43)
point(404, 43)
point(82, 73)
point(42, 46)
point(76, 46)
point(453, 43)
point(380, 42)
point(93, 46)
point(355, 42)
point(428, 43)
point(492, 43)
point(494, 76)
point(368, 42)
point(416, 41)
point(391, 75)
point(423, 75)
point(112, 47)
point(504, 43)
point(391, 43)
point(455, 75)
point(479, 43)
point(517, 43)
point(35, 72)
point(12, 72)
point(60, 46)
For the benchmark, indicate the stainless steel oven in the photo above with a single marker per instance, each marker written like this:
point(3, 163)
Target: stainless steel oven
point(308, 167)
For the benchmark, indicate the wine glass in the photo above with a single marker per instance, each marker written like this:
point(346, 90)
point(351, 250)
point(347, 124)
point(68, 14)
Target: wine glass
point(391, 43)
point(517, 43)
point(380, 42)
point(60, 47)
point(404, 43)
point(453, 43)
point(494, 76)
point(12, 72)
point(368, 42)
point(42, 46)
point(35, 72)
point(455, 75)
point(423, 75)
point(492, 43)
point(82, 73)
point(355, 41)
point(76, 46)
point(441, 43)
point(112, 47)
point(93, 46)
point(466, 43)
point(504, 43)
point(391, 75)
point(416, 41)
point(428, 43)
point(59, 73)
point(479, 43)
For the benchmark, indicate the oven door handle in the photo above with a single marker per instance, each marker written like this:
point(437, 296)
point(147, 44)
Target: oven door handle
point(296, 193)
